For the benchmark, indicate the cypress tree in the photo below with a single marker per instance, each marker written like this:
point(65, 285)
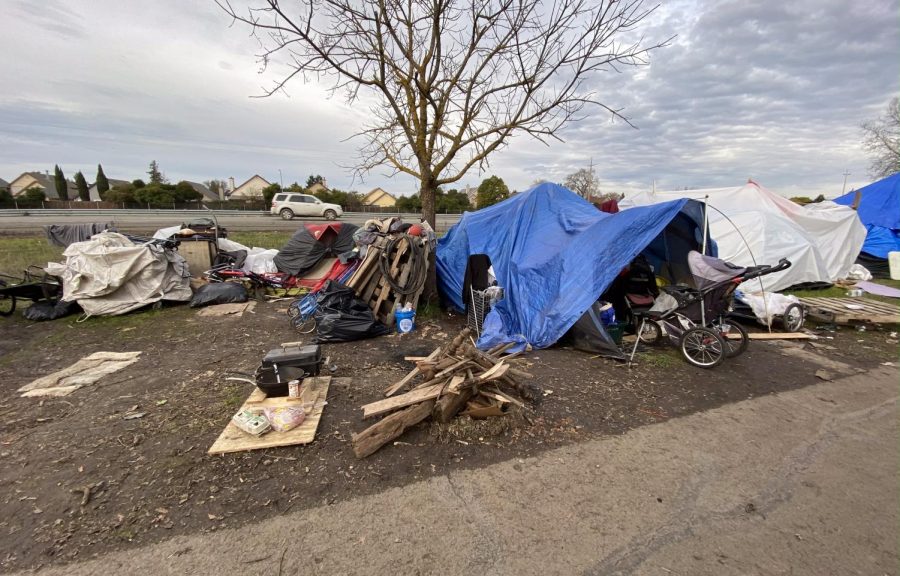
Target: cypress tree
point(82, 186)
point(102, 182)
point(62, 188)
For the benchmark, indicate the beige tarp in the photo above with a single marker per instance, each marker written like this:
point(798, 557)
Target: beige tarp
point(110, 275)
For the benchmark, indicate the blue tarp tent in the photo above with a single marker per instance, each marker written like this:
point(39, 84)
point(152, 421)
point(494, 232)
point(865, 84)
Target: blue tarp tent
point(879, 211)
point(554, 254)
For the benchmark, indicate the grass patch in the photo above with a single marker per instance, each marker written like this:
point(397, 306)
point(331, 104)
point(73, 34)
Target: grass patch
point(839, 292)
point(661, 357)
point(274, 240)
point(18, 253)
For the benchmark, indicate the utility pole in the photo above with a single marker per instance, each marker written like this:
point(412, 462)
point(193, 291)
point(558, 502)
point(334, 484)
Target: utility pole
point(844, 188)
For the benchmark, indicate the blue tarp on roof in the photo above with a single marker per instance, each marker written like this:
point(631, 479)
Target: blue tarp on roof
point(553, 253)
point(879, 211)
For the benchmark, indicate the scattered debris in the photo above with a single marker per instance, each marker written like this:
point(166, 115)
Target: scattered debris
point(82, 373)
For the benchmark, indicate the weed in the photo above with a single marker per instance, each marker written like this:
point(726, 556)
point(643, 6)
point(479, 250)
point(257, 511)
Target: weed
point(662, 358)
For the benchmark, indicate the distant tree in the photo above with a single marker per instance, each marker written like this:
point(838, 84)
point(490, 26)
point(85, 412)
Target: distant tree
point(295, 187)
point(184, 192)
point(102, 181)
point(217, 187)
point(450, 83)
point(119, 194)
point(5, 196)
point(269, 192)
point(584, 183)
point(881, 138)
point(491, 191)
point(412, 204)
point(453, 201)
point(34, 194)
point(82, 186)
point(59, 180)
point(314, 179)
point(156, 177)
point(155, 195)
point(138, 183)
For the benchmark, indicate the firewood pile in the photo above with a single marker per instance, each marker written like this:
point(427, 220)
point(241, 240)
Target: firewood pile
point(454, 379)
point(392, 272)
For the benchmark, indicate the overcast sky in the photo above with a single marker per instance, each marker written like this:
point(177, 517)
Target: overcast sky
point(769, 89)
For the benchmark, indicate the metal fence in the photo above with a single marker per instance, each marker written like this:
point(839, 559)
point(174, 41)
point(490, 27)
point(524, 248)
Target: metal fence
point(230, 205)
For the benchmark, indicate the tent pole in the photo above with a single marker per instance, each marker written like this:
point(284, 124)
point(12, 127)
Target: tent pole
point(703, 251)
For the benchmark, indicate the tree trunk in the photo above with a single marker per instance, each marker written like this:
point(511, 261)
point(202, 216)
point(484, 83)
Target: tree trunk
point(427, 193)
point(427, 196)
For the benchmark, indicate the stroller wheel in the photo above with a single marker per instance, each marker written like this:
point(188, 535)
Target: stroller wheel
point(735, 337)
point(793, 318)
point(651, 333)
point(703, 347)
point(304, 324)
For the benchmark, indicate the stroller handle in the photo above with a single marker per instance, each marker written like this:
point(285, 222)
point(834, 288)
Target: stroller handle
point(758, 271)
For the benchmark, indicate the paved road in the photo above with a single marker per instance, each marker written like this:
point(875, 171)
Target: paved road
point(131, 221)
point(801, 483)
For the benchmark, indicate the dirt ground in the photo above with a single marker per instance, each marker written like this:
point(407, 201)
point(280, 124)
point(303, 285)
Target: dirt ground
point(150, 478)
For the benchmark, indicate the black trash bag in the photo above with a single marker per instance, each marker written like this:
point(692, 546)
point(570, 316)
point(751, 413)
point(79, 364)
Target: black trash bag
point(40, 311)
point(342, 317)
point(219, 293)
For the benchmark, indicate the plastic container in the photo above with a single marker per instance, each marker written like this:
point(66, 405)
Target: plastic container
point(615, 332)
point(405, 321)
point(894, 265)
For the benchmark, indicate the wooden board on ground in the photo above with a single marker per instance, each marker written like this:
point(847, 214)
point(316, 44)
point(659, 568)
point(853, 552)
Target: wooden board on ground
point(234, 308)
point(774, 336)
point(851, 310)
point(234, 439)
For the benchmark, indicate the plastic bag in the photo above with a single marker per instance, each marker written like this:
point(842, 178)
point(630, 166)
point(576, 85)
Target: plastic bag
point(342, 317)
point(284, 418)
point(219, 293)
point(40, 311)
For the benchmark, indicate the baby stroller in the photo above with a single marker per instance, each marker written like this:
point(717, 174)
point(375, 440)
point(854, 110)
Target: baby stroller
point(694, 319)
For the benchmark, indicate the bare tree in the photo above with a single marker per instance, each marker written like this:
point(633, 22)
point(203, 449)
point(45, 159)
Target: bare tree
point(452, 79)
point(882, 141)
point(584, 183)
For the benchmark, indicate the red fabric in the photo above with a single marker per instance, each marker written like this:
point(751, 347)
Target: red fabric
point(337, 269)
point(317, 230)
point(609, 206)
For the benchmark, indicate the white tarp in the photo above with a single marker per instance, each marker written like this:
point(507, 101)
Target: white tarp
point(110, 275)
point(259, 260)
point(821, 240)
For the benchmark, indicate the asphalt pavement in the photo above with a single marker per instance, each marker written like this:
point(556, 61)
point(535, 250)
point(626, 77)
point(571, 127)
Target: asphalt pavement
point(136, 221)
point(801, 483)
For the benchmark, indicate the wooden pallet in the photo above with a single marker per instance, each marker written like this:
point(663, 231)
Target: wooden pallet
point(373, 289)
point(851, 310)
point(233, 439)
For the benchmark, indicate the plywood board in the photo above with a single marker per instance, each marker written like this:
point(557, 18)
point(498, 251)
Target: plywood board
point(233, 439)
point(863, 310)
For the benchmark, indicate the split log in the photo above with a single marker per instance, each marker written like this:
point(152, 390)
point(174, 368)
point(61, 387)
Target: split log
point(390, 427)
point(449, 404)
point(409, 377)
point(402, 401)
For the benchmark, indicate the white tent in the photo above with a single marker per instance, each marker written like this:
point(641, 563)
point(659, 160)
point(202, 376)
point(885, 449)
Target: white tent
point(821, 240)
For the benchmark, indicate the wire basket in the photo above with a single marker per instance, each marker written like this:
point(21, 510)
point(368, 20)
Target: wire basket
point(480, 303)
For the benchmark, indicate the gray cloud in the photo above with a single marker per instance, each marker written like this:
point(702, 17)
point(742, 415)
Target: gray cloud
point(771, 89)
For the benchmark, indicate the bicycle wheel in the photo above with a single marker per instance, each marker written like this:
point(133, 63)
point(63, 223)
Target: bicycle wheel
point(702, 347)
point(304, 324)
point(735, 337)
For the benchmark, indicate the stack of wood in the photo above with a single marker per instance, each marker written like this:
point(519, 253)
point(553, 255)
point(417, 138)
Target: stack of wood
point(454, 379)
point(370, 284)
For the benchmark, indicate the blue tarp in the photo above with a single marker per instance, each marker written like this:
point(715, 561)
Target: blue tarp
point(553, 253)
point(879, 211)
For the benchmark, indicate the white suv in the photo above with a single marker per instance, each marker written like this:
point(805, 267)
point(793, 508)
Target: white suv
point(288, 205)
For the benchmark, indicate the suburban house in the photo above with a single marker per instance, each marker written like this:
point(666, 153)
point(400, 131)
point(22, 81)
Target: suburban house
point(249, 190)
point(379, 197)
point(42, 180)
point(95, 194)
point(204, 191)
point(317, 187)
